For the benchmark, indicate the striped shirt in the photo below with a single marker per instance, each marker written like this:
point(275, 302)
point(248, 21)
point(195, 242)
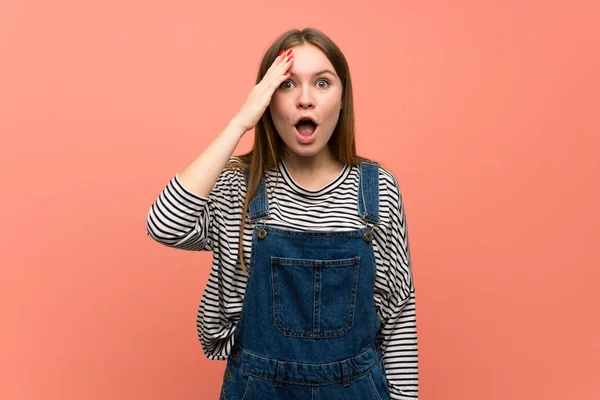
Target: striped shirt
point(181, 219)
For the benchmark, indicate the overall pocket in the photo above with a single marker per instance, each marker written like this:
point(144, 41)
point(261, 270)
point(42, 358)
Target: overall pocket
point(314, 298)
point(236, 384)
point(379, 383)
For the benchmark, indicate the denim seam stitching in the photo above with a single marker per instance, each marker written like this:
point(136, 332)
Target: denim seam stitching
point(351, 233)
point(311, 384)
point(361, 355)
point(343, 262)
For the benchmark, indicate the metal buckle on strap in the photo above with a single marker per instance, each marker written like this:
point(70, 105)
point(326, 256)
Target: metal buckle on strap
point(368, 235)
point(262, 232)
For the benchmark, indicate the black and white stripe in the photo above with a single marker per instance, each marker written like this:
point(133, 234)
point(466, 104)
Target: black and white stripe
point(181, 219)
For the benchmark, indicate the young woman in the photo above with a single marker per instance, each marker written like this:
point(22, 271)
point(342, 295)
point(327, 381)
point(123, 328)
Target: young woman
point(310, 294)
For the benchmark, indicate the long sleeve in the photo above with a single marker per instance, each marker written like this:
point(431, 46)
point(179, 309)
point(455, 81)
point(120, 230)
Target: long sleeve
point(398, 334)
point(181, 219)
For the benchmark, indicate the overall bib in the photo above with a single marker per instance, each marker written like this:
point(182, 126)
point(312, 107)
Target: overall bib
point(308, 324)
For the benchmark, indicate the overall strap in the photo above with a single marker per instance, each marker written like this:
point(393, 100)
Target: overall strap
point(259, 205)
point(368, 191)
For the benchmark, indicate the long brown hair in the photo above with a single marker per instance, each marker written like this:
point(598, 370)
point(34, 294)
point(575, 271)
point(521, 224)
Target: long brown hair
point(267, 149)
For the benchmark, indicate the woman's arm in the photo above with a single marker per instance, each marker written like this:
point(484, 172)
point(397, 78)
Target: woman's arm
point(396, 298)
point(184, 215)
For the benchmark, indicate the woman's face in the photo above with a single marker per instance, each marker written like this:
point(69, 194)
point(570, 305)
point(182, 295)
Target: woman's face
point(312, 90)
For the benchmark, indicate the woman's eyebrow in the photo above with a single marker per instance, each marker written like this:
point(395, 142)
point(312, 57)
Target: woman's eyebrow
point(324, 71)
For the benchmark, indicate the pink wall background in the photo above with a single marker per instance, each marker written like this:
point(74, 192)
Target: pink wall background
point(486, 112)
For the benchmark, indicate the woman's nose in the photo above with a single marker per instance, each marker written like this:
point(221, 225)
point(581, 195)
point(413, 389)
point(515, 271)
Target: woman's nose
point(305, 99)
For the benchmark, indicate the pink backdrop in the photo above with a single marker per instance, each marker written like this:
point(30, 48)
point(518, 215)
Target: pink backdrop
point(486, 112)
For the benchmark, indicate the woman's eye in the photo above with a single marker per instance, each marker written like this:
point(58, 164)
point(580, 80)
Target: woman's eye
point(321, 84)
point(326, 83)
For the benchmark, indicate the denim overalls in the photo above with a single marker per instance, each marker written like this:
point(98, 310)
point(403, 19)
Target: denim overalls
point(308, 324)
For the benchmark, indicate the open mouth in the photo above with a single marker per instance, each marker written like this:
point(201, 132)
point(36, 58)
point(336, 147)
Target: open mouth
point(306, 126)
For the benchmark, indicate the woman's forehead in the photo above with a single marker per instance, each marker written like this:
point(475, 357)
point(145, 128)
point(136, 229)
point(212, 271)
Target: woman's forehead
point(310, 61)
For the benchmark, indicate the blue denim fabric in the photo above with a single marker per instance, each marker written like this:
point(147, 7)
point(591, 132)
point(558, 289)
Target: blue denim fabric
point(308, 324)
